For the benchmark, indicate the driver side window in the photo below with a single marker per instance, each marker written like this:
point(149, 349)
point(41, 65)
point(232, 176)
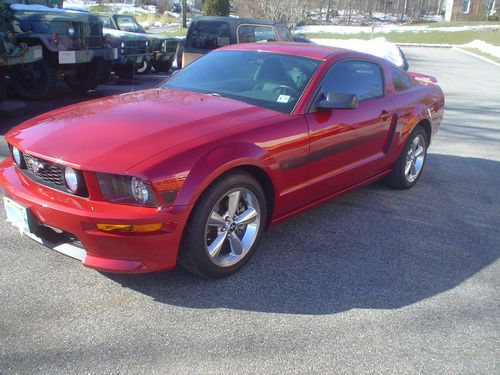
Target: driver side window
point(362, 78)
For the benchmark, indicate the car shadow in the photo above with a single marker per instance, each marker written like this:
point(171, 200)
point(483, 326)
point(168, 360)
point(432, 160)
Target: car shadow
point(374, 248)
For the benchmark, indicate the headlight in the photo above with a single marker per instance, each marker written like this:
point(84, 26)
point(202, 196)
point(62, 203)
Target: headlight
point(16, 154)
point(126, 190)
point(140, 190)
point(72, 179)
point(71, 30)
point(122, 44)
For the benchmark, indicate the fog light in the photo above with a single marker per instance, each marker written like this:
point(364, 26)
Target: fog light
point(131, 228)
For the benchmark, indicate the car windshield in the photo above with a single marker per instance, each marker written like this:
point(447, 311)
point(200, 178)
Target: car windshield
point(268, 80)
point(126, 23)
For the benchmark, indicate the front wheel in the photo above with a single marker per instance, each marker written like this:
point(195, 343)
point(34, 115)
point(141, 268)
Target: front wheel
point(162, 66)
point(225, 226)
point(410, 163)
point(85, 77)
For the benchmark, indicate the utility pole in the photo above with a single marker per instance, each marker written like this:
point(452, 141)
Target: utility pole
point(184, 21)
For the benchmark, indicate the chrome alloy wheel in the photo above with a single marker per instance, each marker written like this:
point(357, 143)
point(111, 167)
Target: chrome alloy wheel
point(415, 158)
point(232, 227)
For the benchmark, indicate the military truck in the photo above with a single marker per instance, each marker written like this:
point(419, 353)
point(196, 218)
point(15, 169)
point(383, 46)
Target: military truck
point(13, 54)
point(134, 51)
point(73, 47)
point(162, 49)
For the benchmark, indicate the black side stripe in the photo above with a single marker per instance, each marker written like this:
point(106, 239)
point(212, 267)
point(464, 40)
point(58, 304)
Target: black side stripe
point(392, 131)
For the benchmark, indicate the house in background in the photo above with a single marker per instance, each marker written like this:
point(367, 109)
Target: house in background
point(471, 10)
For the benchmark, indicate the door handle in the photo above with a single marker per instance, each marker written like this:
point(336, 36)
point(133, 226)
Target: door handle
point(384, 116)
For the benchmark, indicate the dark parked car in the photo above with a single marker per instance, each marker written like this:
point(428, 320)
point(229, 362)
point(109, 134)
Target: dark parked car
point(208, 33)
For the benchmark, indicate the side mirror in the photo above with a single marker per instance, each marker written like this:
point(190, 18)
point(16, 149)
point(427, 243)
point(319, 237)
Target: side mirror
point(338, 100)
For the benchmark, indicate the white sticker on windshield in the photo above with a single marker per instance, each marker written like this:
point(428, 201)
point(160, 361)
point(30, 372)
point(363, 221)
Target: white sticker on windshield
point(283, 99)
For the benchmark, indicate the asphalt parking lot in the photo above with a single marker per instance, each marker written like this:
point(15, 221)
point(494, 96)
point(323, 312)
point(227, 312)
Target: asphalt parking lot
point(378, 281)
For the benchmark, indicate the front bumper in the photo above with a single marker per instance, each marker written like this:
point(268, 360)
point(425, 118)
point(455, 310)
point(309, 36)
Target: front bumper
point(86, 55)
point(77, 218)
point(32, 54)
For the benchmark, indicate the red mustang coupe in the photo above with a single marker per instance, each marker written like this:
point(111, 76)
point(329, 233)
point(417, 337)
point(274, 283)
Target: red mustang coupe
point(195, 170)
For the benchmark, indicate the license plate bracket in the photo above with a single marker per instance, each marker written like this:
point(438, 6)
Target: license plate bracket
point(19, 216)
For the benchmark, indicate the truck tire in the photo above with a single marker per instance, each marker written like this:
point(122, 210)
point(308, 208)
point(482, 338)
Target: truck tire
point(34, 81)
point(125, 71)
point(86, 77)
point(162, 66)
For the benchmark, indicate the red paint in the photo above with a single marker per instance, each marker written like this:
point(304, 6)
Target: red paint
point(186, 140)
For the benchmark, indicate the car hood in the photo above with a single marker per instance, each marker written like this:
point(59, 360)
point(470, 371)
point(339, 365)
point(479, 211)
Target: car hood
point(116, 133)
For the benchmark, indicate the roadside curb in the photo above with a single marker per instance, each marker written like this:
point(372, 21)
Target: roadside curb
point(476, 56)
point(426, 45)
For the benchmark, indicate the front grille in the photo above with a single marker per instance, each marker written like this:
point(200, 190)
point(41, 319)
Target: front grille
point(135, 47)
point(95, 39)
point(50, 173)
point(47, 173)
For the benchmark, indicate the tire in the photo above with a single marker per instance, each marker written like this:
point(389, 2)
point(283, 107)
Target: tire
point(34, 81)
point(411, 161)
point(86, 77)
point(144, 67)
point(162, 66)
point(199, 252)
point(125, 71)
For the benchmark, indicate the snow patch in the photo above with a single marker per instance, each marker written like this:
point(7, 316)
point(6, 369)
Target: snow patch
point(378, 47)
point(484, 47)
point(313, 29)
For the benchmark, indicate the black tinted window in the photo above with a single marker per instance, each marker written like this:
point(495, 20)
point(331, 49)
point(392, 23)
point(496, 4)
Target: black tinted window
point(355, 77)
point(400, 79)
point(210, 35)
point(255, 33)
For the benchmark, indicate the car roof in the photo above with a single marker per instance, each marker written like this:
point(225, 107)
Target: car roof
point(236, 20)
point(313, 51)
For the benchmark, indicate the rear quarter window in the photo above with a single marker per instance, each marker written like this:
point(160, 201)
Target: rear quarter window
point(255, 33)
point(210, 35)
point(400, 80)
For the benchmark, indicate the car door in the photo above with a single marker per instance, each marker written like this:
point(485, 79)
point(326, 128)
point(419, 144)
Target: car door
point(347, 145)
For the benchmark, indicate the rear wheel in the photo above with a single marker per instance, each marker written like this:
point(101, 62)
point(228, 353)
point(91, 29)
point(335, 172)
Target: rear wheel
point(225, 226)
point(34, 81)
point(409, 166)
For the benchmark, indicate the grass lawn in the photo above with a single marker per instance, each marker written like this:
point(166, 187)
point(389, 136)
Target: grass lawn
point(178, 32)
point(491, 36)
point(481, 53)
